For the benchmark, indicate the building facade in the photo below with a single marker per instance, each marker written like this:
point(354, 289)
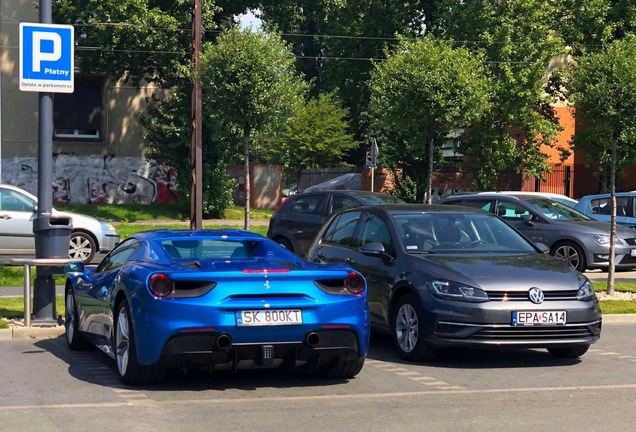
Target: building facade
point(97, 143)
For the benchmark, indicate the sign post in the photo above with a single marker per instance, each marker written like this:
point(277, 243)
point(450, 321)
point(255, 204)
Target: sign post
point(46, 66)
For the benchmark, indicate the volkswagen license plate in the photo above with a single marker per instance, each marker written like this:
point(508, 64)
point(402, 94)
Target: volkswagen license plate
point(269, 317)
point(522, 318)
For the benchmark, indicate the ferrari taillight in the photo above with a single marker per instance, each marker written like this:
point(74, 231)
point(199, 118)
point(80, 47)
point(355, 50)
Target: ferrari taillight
point(160, 285)
point(354, 283)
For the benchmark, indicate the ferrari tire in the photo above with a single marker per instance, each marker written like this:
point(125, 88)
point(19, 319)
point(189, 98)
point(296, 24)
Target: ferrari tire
point(128, 368)
point(344, 369)
point(408, 330)
point(74, 338)
point(82, 247)
point(570, 353)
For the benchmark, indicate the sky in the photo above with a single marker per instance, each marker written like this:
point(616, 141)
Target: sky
point(249, 20)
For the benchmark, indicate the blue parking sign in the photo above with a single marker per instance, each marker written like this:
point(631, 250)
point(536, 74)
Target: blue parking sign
point(47, 54)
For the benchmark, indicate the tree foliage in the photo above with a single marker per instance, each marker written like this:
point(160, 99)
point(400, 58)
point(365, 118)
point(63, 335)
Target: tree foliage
point(603, 90)
point(168, 140)
point(134, 39)
point(518, 44)
point(249, 84)
point(425, 90)
point(316, 136)
point(602, 87)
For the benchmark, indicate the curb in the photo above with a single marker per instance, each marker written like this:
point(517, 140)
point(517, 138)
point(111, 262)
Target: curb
point(31, 333)
point(57, 331)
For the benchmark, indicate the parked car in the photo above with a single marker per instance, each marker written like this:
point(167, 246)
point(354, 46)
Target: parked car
point(216, 299)
point(298, 219)
point(349, 181)
point(570, 202)
point(572, 236)
point(18, 208)
point(599, 207)
point(293, 189)
point(441, 276)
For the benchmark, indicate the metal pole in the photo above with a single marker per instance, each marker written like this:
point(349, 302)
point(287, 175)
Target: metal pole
point(44, 287)
point(196, 191)
point(27, 295)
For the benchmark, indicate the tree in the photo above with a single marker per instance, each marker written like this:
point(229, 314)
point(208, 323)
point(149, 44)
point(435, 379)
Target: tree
point(249, 83)
point(518, 44)
point(317, 135)
point(336, 41)
point(168, 140)
point(425, 90)
point(602, 88)
point(134, 39)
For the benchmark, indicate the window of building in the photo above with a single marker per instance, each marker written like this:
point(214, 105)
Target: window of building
point(78, 115)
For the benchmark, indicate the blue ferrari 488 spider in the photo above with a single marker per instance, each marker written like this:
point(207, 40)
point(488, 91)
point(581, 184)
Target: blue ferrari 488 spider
point(216, 299)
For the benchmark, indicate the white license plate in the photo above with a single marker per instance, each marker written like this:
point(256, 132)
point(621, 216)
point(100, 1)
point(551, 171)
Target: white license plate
point(632, 253)
point(269, 317)
point(523, 318)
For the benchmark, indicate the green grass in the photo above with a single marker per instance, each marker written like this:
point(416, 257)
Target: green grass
point(154, 212)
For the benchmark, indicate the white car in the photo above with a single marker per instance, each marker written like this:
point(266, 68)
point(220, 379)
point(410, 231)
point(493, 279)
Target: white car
point(18, 208)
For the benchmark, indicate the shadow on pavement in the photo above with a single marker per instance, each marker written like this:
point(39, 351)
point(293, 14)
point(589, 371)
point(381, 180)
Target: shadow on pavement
point(382, 349)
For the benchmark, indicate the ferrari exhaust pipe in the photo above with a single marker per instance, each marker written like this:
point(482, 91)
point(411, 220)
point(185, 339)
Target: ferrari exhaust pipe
point(312, 339)
point(223, 342)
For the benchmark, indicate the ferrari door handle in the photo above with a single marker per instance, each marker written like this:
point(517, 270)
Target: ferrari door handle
point(5, 217)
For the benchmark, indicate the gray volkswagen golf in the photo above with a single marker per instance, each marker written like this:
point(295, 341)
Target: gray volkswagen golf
point(441, 276)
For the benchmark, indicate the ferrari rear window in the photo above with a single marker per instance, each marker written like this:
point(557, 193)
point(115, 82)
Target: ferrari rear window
point(213, 249)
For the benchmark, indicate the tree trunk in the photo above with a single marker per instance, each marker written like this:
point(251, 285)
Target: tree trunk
point(612, 257)
point(246, 155)
point(429, 183)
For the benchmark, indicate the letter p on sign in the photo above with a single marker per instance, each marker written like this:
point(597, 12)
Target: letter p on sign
point(40, 52)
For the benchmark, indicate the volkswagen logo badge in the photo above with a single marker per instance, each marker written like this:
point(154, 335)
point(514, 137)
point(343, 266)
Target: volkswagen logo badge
point(536, 295)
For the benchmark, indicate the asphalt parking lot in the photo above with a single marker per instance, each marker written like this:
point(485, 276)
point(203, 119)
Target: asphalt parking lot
point(48, 387)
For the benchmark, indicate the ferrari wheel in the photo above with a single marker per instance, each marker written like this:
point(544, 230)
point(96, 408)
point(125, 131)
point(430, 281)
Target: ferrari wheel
point(408, 330)
point(82, 247)
point(573, 352)
point(129, 370)
point(343, 369)
point(74, 339)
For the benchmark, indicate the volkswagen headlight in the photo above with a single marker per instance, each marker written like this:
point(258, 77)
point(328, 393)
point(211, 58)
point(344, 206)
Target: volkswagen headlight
point(448, 290)
point(586, 292)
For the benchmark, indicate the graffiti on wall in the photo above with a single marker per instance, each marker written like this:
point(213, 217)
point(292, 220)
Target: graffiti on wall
point(95, 180)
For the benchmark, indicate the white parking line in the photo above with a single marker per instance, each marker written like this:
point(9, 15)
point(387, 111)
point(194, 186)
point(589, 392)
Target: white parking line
point(423, 378)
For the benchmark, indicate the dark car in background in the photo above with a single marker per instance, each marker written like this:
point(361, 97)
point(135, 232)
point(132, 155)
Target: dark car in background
point(441, 276)
point(570, 235)
point(299, 218)
point(599, 207)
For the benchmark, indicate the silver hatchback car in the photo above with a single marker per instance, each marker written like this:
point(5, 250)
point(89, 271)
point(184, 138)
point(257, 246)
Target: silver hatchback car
point(569, 234)
point(441, 276)
point(17, 211)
